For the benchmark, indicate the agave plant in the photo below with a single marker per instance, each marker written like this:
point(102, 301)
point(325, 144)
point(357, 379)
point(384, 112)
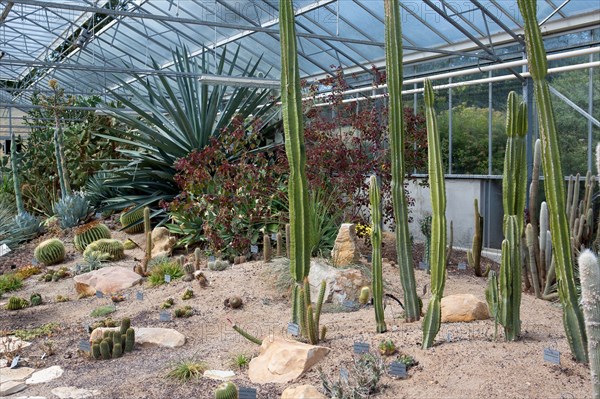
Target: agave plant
point(171, 118)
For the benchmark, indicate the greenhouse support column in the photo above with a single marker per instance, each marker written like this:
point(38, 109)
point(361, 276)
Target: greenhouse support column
point(591, 112)
point(490, 115)
point(450, 127)
point(528, 97)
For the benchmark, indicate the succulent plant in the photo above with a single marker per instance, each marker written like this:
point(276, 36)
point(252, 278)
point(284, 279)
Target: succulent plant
point(117, 351)
point(50, 252)
point(189, 269)
point(387, 347)
point(16, 303)
point(72, 210)
point(125, 325)
point(589, 272)
point(96, 351)
point(218, 265)
point(129, 339)
point(267, 252)
point(35, 299)
point(88, 233)
point(168, 303)
point(365, 295)
point(188, 294)
point(186, 311)
point(105, 349)
point(131, 216)
point(226, 390)
point(375, 198)
point(234, 302)
point(114, 248)
point(129, 244)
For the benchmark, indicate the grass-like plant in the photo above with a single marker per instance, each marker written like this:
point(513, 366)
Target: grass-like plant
point(241, 361)
point(160, 270)
point(10, 282)
point(186, 370)
point(102, 311)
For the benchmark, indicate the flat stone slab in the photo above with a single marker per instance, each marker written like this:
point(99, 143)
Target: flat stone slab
point(108, 280)
point(147, 336)
point(74, 393)
point(220, 375)
point(10, 387)
point(16, 374)
point(12, 343)
point(45, 375)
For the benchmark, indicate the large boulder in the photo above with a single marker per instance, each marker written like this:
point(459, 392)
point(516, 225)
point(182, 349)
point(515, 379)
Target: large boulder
point(162, 242)
point(463, 308)
point(345, 251)
point(147, 336)
point(281, 361)
point(342, 284)
point(302, 392)
point(108, 280)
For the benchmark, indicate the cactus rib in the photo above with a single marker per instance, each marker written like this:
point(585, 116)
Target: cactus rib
point(375, 198)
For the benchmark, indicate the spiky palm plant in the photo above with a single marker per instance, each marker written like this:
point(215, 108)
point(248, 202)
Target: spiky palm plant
point(171, 118)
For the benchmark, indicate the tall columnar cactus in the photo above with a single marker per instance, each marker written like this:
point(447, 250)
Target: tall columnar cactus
point(553, 183)
point(375, 198)
point(431, 324)
point(589, 272)
point(393, 53)
point(474, 254)
point(311, 318)
point(510, 279)
point(148, 235)
point(531, 239)
point(15, 172)
point(291, 103)
point(491, 296)
point(50, 252)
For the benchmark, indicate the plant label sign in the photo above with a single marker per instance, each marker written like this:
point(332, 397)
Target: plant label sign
point(293, 329)
point(423, 265)
point(99, 294)
point(344, 375)
point(167, 278)
point(84, 345)
point(254, 249)
point(247, 393)
point(398, 369)
point(15, 362)
point(274, 237)
point(551, 356)
point(165, 316)
point(139, 296)
point(4, 249)
point(462, 266)
point(361, 347)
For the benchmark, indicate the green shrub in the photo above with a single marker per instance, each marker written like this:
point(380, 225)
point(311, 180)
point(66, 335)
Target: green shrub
point(167, 267)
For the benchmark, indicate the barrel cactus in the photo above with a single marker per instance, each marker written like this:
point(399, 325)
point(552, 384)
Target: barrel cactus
point(114, 248)
point(88, 233)
point(50, 252)
point(130, 217)
point(226, 390)
point(16, 303)
point(35, 299)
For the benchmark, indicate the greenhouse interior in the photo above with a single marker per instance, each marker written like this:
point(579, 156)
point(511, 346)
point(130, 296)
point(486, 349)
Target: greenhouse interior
point(299, 199)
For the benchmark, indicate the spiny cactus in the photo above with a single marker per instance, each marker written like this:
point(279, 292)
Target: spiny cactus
point(142, 269)
point(531, 241)
point(114, 248)
point(279, 244)
point(287, 240)
point(188, 269)
point(35, 299)
point(105, 349)
point(589, 273)
point(492, 298)
point(474, 254)
point(365, 295)
point(125, 325)
point(117, 350)
point(129, 339)
point(188, 294)
point(129, 244)
point(15, 173)
point(218, 265)
point(197, 258)
point(393, 53)
point(375, 199)
point(245, 334)
point(88, 233)
point(96, 351)
point(510, 280)
point(553, 183)
point(226, 390)
point(431, 324)
point(267, 253)
point(291, 104)
point(16, 303)
point(50, 252)
point(128, 219)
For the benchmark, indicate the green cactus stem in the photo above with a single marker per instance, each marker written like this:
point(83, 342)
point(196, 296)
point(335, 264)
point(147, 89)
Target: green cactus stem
point(531, 241)
point(105, 349)
point(553, 184)
point(117, 351)
point(267, 254)
point(393, 51)
point(35, 299)
point(310, 326)
point(375, 198)
point(245, 334)
point(197, 258)
point(226, 390)
point(125, 325)
point(279, 244)
point(96, 351)
point(50, 252)
point(510, 280)
point(288, 234)
point(431, 324)
point(365, 295)
point(16, 303)
point(129, 339)
point(589, 273)
point(493, 300)
point(533, 211)
point(131, 220)
point(108, 246)
point(88, 233)
point(474, 254)
point(291, 104)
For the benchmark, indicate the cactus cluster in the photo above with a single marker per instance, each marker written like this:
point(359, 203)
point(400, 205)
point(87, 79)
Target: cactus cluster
point(88, 233)
point(55, 275)
point(218, 265)
point(16, 303)
point(185, 311)
point(114, 343)
point(35, 299)
point(310, 320)
point(131, 220)
point(188, 294)
point(375, 198)
point(108, 246)
point(50, 252)
point(226, 390)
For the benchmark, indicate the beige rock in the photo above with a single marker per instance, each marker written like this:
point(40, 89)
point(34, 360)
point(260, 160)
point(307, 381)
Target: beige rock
point(342, 284)
point(10, 387)
point(220, 375)
point(147, 336)
point(74, 393)
point(282, 361)
point(108, 280)
point(302, 392)
point(12, 343)
point(16, 374)
point(45, 375)
point(463, 308)
point(162, 242)
point(345, 251)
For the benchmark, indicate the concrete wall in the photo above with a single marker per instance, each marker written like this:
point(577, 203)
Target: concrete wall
point(460, 194)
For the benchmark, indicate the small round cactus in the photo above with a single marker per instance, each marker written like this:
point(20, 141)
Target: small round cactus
point(35, 299)
point(387, 347)
point(226, 390)
point(234, 302)
point(16, 303)
point(129, 339)
point(365, 295)
point(114, 248)
point(50, 252)
point(129, 217)
point(88, 233)
point(96, 351)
